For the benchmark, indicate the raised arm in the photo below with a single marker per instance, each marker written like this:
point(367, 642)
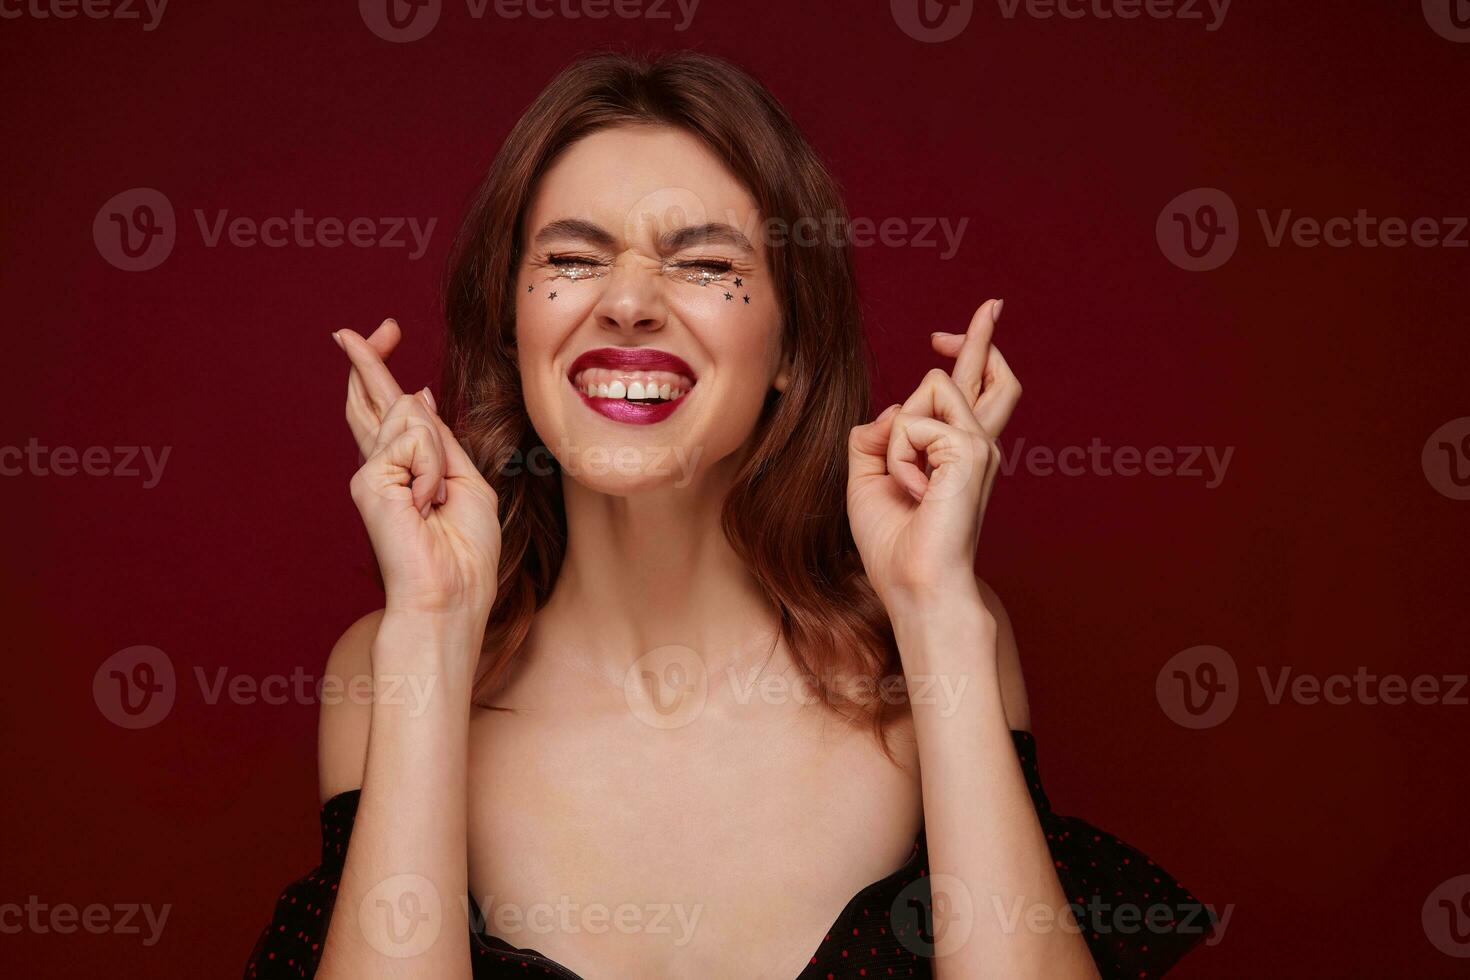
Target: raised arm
point(919, 479)
point(432, 519)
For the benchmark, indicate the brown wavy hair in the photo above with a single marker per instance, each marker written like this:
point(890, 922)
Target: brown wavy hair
point(786, 514)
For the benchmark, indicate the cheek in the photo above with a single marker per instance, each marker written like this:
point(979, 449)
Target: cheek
point(737, 325)
point(543, 326)
point(742, 343)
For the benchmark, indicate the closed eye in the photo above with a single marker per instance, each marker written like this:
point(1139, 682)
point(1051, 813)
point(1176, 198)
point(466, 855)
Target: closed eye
point(702, 272)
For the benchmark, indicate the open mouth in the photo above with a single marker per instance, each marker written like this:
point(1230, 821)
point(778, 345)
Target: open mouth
point(647, 387)
point(631, 384)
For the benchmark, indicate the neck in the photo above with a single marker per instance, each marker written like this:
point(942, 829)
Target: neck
point(654, 569)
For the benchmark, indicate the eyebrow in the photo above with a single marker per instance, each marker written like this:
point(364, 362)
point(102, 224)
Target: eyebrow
point(710, 233)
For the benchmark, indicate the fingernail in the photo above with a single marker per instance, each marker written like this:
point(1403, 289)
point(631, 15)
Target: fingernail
point(443, 493)
point(999, 305)
point(336, 335)
point(888, 411)
point(390, 320)
point(424, 510)
point(941, 333)
point(429, 398)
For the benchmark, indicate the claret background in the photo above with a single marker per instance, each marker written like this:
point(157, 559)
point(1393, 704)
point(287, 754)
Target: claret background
point(1232, 532)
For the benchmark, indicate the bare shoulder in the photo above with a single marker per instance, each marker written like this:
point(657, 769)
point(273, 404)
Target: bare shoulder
point(342, 731)
point(1012, 683)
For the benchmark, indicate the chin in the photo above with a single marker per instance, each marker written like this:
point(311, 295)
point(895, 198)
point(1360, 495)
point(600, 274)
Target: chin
point(631, 466)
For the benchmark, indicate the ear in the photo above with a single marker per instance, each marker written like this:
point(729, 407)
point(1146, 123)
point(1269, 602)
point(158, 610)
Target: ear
point(783, 374)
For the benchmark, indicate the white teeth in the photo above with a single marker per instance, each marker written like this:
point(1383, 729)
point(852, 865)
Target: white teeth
point(639, 389)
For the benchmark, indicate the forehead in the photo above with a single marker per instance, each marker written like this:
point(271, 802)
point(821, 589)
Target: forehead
point(637, 181)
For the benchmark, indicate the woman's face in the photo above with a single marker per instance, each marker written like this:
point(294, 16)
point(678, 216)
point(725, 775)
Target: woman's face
point(647, 326)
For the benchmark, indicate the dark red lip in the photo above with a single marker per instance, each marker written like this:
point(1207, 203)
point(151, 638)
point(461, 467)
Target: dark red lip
point(632, 359)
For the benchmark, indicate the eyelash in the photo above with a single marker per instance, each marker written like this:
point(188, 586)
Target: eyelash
point(700, 271)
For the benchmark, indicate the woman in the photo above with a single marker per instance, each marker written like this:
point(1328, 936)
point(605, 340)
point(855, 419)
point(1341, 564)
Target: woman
point(659, 636)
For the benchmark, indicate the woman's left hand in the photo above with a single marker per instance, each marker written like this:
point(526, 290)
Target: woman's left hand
point(919, 476)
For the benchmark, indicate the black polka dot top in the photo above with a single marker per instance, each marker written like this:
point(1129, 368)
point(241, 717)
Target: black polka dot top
point(1137, 920)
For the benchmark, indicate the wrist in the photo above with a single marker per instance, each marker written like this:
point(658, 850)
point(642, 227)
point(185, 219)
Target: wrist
point(445, 621)
point(429, 641)
point(952, 631)
point(467, 605)
point(953, 597)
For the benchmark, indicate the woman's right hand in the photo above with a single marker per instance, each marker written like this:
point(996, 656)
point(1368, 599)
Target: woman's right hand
point(432, 519)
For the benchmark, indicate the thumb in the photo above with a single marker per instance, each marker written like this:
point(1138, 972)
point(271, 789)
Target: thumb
point(867, 446)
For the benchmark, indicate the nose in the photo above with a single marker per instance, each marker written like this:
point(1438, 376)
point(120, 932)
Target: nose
point(631, 302)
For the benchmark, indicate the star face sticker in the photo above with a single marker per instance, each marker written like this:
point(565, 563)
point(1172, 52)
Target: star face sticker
point(728, 297)
point(747, 301)
point(531, 288)
point(553, 296)
point(739, 281)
